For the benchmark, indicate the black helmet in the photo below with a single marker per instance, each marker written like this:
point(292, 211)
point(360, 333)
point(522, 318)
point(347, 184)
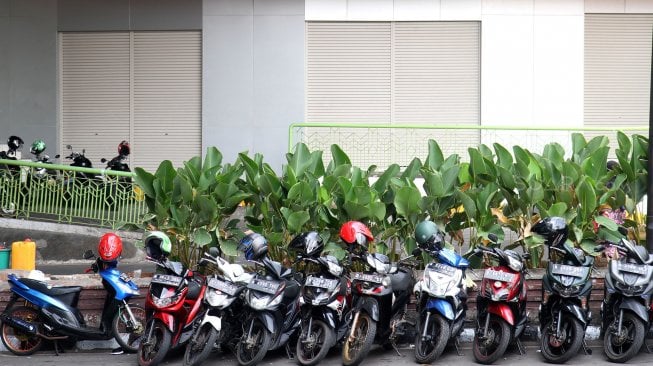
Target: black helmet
point(428, 236)
point(553, 229)
point(309, 243)
point(123, 148)
point(254, 246)
point(14, 143)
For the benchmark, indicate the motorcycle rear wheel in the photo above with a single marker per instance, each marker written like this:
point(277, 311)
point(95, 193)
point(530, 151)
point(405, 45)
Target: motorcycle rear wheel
point(574, 335)
point(129, 337)
point(200, 345)
point(354, 351)
point(251, 353)
point(490, 348)
point(622, 350)
point(314, 344)
point(17, 341)
point(427, 351)
point(152, 351)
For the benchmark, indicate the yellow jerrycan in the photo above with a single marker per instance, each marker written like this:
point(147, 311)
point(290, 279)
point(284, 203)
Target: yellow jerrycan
point(23, 255)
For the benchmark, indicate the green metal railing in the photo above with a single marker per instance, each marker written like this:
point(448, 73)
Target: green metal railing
point(66, 194)
point(382, 144)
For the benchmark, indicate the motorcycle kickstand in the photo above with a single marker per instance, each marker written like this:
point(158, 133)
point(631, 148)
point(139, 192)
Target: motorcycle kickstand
point(648, 348)
point(586, 349)
point(520, 347)
point(289, 353)
point(394, 347)
point(457, 344)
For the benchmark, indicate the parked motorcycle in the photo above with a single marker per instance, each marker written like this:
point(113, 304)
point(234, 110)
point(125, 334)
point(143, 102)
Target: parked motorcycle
point(10, 175)
point(222, 321)
point(564, 313)
point(37, 311)
point(381, 293)
point(173, 303)
point(500, 304)
point(118, 162)
point(37, 149)
point(325, 300)
point(272, 298)
point(441, 295)
point(625, 311)
point(80, 160)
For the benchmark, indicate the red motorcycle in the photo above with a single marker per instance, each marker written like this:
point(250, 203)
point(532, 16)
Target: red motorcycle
point(501, 304)
point(173, 305)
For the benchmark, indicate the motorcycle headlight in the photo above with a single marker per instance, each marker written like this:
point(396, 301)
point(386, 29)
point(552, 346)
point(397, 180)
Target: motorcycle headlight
point(441, 286)
point(264, 301)
point(215, 298)
point(163, 302)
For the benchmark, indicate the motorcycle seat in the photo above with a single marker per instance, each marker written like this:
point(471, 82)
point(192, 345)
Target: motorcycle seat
point(69, 295)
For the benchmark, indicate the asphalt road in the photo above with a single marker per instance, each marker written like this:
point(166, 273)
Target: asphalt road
point(377, 357)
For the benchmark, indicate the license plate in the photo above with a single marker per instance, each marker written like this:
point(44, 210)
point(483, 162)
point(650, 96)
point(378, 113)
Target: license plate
point(443, 268)
point(268, 287)
point(367, 277)
point(223, 286)
point(632, 268)
point(565, 270)
point(325, 283)
point(166, 279)
point(491, 274)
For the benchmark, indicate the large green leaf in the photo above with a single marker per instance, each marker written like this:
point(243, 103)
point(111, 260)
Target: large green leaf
point(182, 191)
point(435, 158)
point(504, 158)
point(412, 170)
point(201, 237)
point(165, 175)
point(433, 185)
point(468, 204)
point(212, 159)
point(144, 180)
point(356, 211)
point(407, 201)
point(382, 182)
point(300, 160)
point(296, 221)
point(586, 198)
point(338, 156)
point(301, 193)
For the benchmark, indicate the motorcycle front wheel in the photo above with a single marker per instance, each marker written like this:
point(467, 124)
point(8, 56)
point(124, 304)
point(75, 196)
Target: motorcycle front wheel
point(313, 344)
point(17, 341)
point(430, 345)
point(129, 335)
point(560, 349)
point(489, 347)
point(623, 348)
point(200, 345)
point(357, 346)
point(152, 350)
point(253, 345)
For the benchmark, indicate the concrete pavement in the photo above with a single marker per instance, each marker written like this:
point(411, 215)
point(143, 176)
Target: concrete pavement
point(377, 357)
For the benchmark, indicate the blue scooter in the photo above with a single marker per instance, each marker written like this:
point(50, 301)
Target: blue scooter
point(37, 312)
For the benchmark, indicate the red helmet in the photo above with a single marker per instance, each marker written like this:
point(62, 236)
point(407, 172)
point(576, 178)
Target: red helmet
point(110, 247)
point(355, 232)
point(123, 148)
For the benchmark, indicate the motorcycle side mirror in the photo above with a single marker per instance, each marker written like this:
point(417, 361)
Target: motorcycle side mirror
point(493, 237)
point(69, 147)
point(103, 160)
point(599, 248)
point(416, 252)
point(83, 151)
point(526, 256)
point(623, 231)
point(88, 254)
point(214, 251)
point(57, 156)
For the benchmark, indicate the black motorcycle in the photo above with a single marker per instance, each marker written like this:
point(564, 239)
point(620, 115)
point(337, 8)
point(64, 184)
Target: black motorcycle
point(626, 298)
point(381, 293)
point(325, 300)
point(81, 161)
point(273, 301)
point(564, 313)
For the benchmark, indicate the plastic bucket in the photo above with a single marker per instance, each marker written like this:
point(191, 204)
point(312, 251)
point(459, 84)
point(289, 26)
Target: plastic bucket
point(23, 255)
point(4, 258)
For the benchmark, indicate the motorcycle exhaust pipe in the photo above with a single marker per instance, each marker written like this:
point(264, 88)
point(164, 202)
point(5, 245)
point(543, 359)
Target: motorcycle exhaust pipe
point(20, 324)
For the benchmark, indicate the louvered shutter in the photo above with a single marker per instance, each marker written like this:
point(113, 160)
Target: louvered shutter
point(167, 97)
point(617, 69)
point(94, 93)
point(437, 81)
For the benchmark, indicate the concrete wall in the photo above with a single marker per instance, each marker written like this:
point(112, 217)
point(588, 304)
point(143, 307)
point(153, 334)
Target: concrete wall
point(28, 72)
point(253, 82)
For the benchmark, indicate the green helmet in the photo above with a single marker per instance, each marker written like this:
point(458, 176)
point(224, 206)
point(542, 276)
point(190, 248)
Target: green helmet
point(38, 146)
point(157, 245)
point(428, 236)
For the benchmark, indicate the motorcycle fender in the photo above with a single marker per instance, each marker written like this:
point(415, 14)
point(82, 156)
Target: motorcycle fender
point(636, 307)
point(503, 311)
point(441, 306)
point(327, 317)
point(370, 306)
point(166, 319)
point(215, 321)
point(267, 319)
point(575, 311)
